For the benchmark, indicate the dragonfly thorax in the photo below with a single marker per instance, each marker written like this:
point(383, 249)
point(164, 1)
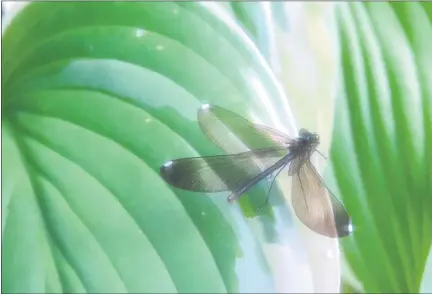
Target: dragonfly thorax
point(305, 140)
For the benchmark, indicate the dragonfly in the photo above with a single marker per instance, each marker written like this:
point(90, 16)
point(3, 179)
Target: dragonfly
point(268, 153)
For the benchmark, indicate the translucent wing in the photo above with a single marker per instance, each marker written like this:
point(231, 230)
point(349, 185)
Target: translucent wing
point(235, 134)
point(316, 206)
point(296, 163)
point(219, 173)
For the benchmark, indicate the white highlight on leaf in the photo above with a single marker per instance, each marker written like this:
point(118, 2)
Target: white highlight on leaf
point(139, 33)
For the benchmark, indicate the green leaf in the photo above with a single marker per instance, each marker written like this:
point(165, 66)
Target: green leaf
point(381, 152)
point(96, 97)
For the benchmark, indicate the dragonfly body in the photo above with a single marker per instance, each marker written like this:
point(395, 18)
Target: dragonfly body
point(305, 142)
point(269, 151)
point(282, 162)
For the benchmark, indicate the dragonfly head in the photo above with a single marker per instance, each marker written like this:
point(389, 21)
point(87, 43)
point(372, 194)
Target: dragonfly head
point(308, 138)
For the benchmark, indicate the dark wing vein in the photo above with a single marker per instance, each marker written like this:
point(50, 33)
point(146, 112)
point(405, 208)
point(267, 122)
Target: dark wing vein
point(297, 162)
point(219, 173)
point(227, 129)
point(316, 206)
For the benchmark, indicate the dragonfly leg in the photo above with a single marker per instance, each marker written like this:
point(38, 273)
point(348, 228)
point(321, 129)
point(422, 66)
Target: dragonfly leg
point(271, 185)
point(278, 166)
point(321, 154)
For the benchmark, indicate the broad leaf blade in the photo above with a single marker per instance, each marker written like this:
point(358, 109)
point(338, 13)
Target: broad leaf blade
point(380, 146)
point(96, 96)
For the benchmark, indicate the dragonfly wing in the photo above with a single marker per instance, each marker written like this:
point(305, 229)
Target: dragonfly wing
point(233, 133)
point(219, 173)
point(296, 164)
point(316, 206)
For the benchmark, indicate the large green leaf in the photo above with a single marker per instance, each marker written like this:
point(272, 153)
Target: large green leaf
point(382, 141)
point(96, 96)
